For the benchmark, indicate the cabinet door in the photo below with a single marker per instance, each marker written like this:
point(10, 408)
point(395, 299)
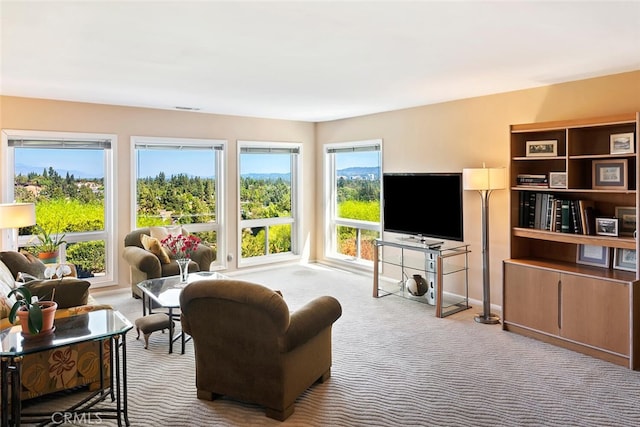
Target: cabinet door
point(531, 298)
point(595, 312)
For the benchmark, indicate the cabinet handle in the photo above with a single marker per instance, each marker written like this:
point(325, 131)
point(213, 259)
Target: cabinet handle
point(559, 304)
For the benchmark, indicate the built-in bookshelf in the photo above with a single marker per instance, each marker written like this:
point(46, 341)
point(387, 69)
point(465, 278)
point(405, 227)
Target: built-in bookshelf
point(573, 267)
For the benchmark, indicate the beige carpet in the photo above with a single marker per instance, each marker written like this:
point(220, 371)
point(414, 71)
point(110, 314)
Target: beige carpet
point(394, 364)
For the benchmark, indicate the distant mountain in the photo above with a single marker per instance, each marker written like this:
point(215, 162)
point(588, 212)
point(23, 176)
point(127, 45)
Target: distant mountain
point(268, 176)
point(359, 171)
point(23, 169)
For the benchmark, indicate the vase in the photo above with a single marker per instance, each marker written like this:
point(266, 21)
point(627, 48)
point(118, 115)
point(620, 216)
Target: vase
point(48, 316)
point(183, 263)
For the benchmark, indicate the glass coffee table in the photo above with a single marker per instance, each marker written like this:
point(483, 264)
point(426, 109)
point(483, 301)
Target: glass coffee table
point(165, 292)
point(92, 326)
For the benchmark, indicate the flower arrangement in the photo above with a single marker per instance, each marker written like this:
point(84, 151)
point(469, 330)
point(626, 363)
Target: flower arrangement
point(181, 246)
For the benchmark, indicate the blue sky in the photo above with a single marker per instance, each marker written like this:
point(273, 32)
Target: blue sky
point(90, 163)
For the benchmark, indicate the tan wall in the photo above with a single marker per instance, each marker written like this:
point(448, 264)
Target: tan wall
point(441, 137)
point(45, 115)
point(454, 135)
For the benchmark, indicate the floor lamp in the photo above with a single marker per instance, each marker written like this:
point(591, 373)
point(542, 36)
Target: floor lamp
point(14, 216)
point(485, 180)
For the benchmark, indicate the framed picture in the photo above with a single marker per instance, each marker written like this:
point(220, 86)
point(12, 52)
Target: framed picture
point(622, 143)
point(593, 255)
point(609, 174)
point(607, 226)
point(624, 259)
point(542, 148)
point(557, 180)
point(627, 220)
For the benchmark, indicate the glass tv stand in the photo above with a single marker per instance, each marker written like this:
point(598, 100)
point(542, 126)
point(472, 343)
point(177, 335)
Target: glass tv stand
point(434, 262)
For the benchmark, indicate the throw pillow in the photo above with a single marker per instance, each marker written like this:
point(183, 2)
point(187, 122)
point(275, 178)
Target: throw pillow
point(6, 286)
point(162, 232)
point(70, 292)
point(154, 246)
point(6, 277)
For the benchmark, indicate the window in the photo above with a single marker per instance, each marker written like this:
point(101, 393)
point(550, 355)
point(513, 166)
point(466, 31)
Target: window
point(180, 181)
point(352, 189)
point(69, 178)
point(269, 217)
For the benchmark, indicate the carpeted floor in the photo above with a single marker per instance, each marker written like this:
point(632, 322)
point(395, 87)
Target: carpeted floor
point(394, 364)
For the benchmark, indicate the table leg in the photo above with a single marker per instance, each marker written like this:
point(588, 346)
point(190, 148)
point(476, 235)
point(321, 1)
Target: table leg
point(115, 346)
point(124, 380)
point(171, 330)
point(16, 403)
point(4, 372)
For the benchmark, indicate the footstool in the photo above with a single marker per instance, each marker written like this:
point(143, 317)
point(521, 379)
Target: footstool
point(151, 323)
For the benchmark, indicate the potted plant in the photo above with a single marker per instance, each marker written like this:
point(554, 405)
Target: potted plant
point(35, 316)
point(48, 247)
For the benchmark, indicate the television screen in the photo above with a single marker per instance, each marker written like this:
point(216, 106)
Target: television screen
point(424, 204)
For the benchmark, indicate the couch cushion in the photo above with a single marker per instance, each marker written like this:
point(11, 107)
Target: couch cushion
point(70, 292)
point(18, 262)
point(162, 232)
point(154, 246)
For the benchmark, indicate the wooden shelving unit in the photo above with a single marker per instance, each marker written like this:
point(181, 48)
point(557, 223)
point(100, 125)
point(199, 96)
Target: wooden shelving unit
point(548, 294)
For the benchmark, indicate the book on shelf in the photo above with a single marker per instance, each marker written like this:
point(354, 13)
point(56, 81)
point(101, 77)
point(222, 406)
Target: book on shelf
point(545, 211)
point(527, 180)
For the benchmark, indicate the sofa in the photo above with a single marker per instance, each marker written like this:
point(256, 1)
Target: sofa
point(250, 348)
point(148, 264)
point(62, 368)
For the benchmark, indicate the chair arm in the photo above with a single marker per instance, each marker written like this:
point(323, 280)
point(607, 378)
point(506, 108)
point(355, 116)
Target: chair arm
point(142, 260)
point(203, 256)
point(309, 320)
point(67, 292)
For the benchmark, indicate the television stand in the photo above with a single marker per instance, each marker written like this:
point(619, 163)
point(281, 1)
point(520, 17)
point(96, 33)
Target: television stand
point(433, 261)
point(431, 244)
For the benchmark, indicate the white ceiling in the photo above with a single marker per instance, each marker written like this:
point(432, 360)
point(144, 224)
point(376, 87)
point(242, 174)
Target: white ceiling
point(311, 61)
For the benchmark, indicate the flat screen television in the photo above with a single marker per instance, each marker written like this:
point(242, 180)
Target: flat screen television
point(428, 205)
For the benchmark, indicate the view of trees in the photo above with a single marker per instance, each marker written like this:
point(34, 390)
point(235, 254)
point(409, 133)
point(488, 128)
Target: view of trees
point(358, 199)
point(265, 198)
point(67, 205)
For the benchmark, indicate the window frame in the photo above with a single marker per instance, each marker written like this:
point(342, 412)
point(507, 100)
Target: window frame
point(296, 207)
point(110, 166)
point(220, 160)
point(330, 217)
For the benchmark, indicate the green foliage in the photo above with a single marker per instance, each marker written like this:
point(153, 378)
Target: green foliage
point(88, 257)
point(263, 198)
point(361, 210)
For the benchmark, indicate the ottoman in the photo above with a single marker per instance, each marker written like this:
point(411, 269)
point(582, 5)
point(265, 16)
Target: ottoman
point(151, 323)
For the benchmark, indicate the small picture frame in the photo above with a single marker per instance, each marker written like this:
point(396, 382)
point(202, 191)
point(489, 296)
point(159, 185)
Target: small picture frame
point(624, 259)
point(622, 143)
point(542, 148)
point(609, 174)
point(627, 220)
point(597, 256)
point(607, 226)
point(557, 180)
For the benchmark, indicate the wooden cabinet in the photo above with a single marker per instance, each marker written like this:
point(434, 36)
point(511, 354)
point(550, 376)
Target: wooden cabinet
point(550, 292)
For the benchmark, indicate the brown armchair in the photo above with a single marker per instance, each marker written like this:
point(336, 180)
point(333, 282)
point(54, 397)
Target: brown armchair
point(145, 265)
point(248, 347)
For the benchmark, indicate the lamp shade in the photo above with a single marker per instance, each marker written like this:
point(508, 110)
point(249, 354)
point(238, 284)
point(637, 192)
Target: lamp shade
point(483, 178)
point(16, 215)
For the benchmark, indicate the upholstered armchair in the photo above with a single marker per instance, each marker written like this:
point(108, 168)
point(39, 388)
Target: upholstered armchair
point(144, 264)
point(249, 347)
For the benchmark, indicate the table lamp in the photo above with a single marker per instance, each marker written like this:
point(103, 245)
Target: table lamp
point(485, 180)
point(14, 216)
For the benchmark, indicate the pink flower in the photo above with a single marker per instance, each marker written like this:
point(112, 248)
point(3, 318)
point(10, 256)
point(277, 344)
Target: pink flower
point(180, 245)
